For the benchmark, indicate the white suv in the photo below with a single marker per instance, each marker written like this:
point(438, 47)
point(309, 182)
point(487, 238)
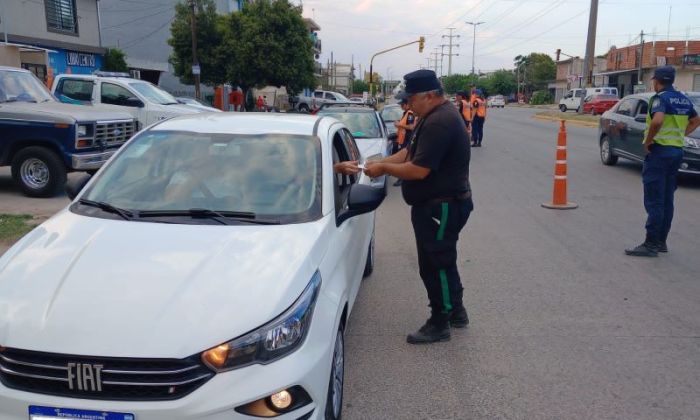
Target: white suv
point(145, 101)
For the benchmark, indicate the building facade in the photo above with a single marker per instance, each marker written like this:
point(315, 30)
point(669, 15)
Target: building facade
point(570, 76)
point(625, 64)
point(51, 37)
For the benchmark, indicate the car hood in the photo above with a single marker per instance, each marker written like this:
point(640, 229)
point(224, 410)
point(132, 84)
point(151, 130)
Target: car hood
point(371, 146)
point(89, 286)
point(180, 109)
point(54, 111)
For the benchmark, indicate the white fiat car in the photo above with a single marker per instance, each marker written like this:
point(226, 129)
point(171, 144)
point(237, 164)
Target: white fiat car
point(207, 271)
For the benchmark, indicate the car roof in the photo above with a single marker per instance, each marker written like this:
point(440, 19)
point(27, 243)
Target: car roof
point(243, 123)
point(336, 109)
point(19, 70)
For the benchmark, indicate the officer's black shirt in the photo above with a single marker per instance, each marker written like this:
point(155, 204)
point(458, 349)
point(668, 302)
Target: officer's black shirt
point(440, 143)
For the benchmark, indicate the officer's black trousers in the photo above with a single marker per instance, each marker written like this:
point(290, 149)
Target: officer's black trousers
point(437, 226)
point(478, 129)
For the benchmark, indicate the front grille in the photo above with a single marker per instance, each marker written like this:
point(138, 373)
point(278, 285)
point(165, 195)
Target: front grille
point(120, 378)
point(110, 133)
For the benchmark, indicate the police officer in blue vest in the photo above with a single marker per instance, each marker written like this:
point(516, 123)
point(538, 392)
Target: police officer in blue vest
point(671, 118)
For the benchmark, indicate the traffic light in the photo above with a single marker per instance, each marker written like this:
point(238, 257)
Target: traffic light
point(558, 53)
point(421, 44)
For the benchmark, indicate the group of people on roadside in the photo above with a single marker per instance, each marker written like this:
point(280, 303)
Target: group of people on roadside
point(472, 107)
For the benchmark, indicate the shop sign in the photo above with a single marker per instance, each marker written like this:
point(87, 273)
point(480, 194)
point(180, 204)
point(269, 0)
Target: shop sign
point(74, 58)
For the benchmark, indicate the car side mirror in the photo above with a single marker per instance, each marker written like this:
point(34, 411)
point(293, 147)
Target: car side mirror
point(362, 199)
point(641, 118)
point(134, 102)
point(393, 136)
point(75, 185)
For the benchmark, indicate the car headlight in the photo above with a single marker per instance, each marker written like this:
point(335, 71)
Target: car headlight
point(692, 143)
point(273, 340)
point(84, 130)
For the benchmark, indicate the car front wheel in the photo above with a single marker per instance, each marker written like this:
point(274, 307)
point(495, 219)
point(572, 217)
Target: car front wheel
point(562, 107)
point(606, 153)
point(38, 171)
point(334, 401)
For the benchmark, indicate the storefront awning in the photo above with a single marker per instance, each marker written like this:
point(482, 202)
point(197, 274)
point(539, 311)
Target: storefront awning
point(26, 48)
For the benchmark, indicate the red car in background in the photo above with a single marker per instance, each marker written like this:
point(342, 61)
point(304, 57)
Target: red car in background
point(597, 104)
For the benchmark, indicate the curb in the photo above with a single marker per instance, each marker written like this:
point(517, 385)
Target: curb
point(589, 124)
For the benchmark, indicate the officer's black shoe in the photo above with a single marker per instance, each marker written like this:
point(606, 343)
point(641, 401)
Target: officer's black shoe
point(661, 247)
point(458, 318)
point(430, 333)
point(647, 249)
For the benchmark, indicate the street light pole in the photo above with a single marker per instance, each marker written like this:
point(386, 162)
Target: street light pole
point(474, 25)
point(195, 61)
point(590, 49)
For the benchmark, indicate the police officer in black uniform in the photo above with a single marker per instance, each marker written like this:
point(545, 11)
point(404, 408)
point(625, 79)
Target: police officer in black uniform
point(435, 173)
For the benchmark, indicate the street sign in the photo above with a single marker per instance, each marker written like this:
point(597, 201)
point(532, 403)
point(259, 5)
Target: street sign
point(196, 70)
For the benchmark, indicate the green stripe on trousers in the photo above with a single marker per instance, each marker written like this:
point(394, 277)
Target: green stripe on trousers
point(443, 274)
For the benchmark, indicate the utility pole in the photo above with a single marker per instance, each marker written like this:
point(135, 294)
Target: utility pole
point(474, 25)
point(196, 70)
point(435, 60)
point(449, 51)
point(641, 58)
point(590, 49)
point(442, 59)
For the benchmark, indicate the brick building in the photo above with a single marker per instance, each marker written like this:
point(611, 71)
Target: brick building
point(623, 65)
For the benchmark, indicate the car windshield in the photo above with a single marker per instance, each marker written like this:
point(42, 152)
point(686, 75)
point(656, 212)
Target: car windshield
point(19, 86)
point(362, 125)
point(153, 93)
point(392, 113)
point(265, 175)
point(695, 100)
point(340, 97)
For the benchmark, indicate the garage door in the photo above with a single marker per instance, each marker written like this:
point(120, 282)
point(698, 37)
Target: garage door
point(696, 83)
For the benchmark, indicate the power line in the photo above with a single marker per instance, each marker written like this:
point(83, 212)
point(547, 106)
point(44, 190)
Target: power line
point(137, 19)
point(459, 19)
point(148, 35)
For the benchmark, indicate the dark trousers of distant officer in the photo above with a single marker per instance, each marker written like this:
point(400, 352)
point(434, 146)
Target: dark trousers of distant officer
point(659, 176)
point(478, 129)
point(437, 225)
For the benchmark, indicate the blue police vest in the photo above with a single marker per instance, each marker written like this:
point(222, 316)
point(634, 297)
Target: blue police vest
point(677, 109)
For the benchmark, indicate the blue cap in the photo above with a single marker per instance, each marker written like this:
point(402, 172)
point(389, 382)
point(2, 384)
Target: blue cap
point(665, 74)
point(421, 81)
point(402, 97)
point(478, 92)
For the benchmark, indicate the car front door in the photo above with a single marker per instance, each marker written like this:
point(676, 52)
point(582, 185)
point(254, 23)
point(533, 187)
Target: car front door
point(624, 117)
point(113, 94)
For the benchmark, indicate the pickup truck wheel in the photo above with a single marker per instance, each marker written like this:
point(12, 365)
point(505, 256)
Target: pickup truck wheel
point(562, 108)
point(606, 153)
point(303, 108)
point(38, 171)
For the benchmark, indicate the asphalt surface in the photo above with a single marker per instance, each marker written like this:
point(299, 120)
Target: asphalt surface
point(563, 324)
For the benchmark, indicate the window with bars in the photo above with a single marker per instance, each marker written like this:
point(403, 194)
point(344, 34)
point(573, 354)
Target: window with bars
point(61, 16)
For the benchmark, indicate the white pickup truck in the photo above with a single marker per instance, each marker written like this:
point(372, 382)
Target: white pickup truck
point(146, 102)
point(318, 98)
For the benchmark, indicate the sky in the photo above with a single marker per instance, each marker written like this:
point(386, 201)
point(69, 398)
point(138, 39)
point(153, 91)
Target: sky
point(356, 29)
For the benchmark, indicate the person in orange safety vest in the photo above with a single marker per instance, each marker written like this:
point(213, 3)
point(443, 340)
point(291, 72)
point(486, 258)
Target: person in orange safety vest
point(479, 117)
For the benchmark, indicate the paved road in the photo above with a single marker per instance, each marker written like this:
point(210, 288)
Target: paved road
point(564, 325)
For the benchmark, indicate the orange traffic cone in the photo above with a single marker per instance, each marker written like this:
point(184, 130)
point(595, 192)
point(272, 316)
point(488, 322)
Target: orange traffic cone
point(559, 200)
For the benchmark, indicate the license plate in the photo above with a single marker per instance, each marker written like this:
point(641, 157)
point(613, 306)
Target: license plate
point(52, 413)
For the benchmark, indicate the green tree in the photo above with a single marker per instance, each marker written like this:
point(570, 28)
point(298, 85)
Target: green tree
point(536, 71)
point(267, 43)
point(114, 60)
point(455, 82)
point(359, 86)
point(501, 82)
point(210, 38)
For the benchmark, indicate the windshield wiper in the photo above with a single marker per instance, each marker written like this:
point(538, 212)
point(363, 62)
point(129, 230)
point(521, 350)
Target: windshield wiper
point(174, 103)
point(125, 214)
point(223, 217)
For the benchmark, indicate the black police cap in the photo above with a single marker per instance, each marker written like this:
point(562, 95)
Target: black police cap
point(421, 81)
point(665, 74)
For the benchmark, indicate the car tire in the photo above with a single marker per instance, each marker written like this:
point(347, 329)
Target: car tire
point(606, 154)
point(38, 171)
point(334, 399)
point(303, 108)
point(562, 108)
point(369, 263)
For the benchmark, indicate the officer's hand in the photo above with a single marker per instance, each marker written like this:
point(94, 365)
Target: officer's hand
point(347, 168)
point(374, 169)
point(647, 147)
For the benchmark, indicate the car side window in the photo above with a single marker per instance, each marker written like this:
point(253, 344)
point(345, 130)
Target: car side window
point(341, 182)
point(116, 95)
point(318, 95)
point(642, 108)
point(77, 90)
point(330, 96)
point(351, 146)
point(626, 107)
point(579, 93)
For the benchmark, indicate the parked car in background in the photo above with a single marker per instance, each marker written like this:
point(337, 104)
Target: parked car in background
point(621, 133)
point(316, 100)
point(365, 125)
point(245, 252)
point(197, 104)
point(599, 103)
point(572, 100)
point(145, 101)
point(496, 101)
point(43, 139)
